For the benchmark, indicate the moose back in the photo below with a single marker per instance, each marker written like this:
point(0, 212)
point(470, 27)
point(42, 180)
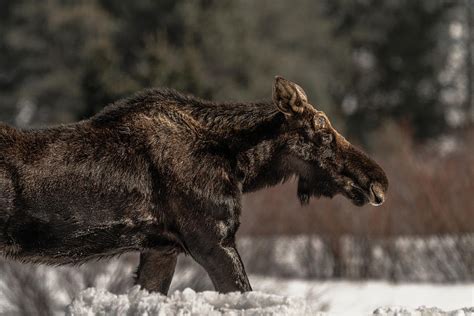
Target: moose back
point(163, 173)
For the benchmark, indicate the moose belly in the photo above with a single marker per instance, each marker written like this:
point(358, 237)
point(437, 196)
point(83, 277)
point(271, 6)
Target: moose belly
point(35, 240)
point(57, 243)
point(71, 221)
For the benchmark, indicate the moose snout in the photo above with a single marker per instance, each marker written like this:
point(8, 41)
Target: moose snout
point(377, 194)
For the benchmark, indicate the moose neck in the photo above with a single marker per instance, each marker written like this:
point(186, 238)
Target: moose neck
point(256, 136)
point(264, 165)
point(235, 120)
point(252, 133)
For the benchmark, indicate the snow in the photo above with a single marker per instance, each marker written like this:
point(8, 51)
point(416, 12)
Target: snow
point(362, 298)
point(422, 311)
point(95, 301)
point(290, 275)
point(139, 302)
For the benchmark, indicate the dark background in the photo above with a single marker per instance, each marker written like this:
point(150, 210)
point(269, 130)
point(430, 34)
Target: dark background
point(394, 76)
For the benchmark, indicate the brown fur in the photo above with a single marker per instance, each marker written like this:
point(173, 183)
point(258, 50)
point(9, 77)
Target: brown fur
point(163, 173)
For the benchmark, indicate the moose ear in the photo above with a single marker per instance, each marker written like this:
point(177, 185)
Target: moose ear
point(288, 96)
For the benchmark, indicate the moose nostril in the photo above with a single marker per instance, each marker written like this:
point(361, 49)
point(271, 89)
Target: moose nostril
point(377, 194)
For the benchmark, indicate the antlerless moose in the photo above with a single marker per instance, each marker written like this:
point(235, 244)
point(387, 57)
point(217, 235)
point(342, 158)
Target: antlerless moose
point(163, 173)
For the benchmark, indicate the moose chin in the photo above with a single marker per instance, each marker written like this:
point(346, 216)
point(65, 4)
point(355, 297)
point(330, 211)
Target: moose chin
point(163, 173)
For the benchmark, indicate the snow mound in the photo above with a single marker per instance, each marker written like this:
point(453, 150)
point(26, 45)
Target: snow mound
point(422, 311)
point(139, 302)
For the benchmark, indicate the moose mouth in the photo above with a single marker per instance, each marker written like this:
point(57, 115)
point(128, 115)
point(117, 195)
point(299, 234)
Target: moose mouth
point(319, 183)
point(359, 196)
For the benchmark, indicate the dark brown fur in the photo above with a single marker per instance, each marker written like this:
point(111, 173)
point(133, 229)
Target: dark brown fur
point(163, 173)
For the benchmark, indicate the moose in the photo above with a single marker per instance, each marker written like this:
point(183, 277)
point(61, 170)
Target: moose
point(163, 173)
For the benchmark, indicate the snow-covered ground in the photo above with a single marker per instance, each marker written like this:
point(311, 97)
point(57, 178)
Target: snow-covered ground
point(346, 299)
point(187, 302)
point(362, 298)
point(282, 266)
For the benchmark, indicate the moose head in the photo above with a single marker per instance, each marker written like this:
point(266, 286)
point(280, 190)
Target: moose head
point(325, 162)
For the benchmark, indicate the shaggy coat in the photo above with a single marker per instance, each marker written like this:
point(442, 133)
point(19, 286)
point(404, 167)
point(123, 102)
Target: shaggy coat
point(163, 173)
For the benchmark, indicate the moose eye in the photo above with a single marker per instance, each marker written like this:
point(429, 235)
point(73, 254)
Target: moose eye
point(326, 138)
point(320, 122)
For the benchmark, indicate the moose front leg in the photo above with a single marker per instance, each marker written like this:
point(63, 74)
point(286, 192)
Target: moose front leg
point(222, 262)
point(156, 270)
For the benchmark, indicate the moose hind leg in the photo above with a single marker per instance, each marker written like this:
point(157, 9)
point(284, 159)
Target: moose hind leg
point(156, 270)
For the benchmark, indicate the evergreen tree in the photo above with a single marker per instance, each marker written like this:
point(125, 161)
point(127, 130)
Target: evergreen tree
point(396, 63)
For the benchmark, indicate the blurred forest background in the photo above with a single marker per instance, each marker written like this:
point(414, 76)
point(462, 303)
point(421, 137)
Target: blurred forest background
point(395, 77)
